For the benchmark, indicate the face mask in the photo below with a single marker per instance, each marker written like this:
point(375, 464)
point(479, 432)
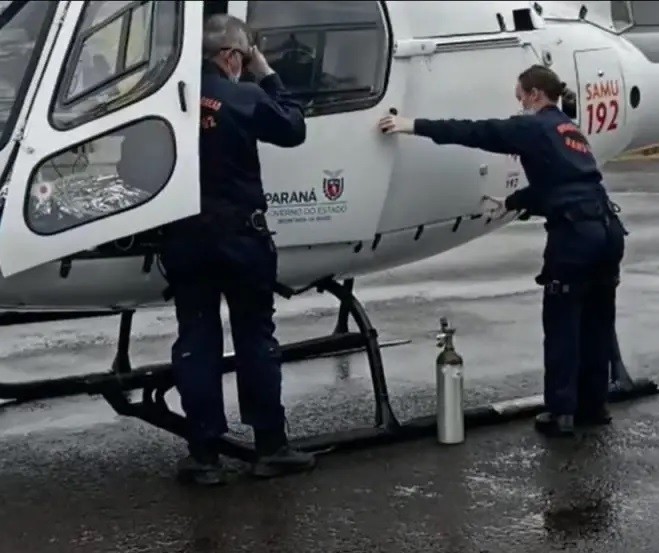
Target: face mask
point(528, 111)
point(234, 78)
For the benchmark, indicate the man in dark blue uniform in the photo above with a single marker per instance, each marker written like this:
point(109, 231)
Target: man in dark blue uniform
point(585, 240)
point(228, 250)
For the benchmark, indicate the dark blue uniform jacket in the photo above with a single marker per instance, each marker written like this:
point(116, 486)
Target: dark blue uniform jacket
point(234, 116)
point(556, 157)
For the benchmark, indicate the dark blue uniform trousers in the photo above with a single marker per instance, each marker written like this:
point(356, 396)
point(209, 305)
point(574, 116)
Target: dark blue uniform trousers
point(581, 273)
point(202, 264)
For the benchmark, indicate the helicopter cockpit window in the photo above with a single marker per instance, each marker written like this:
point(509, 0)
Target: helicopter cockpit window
point(23, 28)
point(621, 15)
point(331, 54)
point(123, 51)
point(644, 14)
point(568, 103)
point(101, 177)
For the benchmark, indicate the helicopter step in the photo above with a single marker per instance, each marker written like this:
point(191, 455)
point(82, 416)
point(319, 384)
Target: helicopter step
point(156, 380)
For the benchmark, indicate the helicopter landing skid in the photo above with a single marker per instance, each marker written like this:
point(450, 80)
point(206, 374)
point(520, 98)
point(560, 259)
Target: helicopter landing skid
point(153, 407)
point(157, 379)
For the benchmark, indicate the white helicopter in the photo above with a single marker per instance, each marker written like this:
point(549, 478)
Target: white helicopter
point(99, 117)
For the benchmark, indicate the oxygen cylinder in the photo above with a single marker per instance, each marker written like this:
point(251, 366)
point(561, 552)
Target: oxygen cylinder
point(450, 388)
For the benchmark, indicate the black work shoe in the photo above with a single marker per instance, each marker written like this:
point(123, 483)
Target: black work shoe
point(554, 425)
point(207, 472)
point(284, 460)
point(594, 417)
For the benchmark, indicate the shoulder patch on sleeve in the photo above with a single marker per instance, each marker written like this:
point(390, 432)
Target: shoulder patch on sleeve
point(210, 103)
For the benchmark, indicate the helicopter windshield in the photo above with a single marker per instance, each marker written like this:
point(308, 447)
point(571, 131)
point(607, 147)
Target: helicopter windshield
point(23, 26)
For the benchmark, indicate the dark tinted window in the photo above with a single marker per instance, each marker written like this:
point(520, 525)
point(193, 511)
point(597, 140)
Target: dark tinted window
point(332, 54)
point(23, 28)
point(621, 15)
point(645, 13)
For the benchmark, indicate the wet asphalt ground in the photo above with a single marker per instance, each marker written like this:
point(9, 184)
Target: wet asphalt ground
point(74, 477)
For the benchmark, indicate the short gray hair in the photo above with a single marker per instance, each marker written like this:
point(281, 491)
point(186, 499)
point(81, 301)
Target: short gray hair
point(224, 31)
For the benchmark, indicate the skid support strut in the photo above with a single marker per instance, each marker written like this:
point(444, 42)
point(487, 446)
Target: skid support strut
point(620, 379)
point(344, 308)
point(121, 363)
point(384, 415)
point(153, 406)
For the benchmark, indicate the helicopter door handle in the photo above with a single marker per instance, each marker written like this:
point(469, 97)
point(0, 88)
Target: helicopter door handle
point(392, 111)
point(181, 96)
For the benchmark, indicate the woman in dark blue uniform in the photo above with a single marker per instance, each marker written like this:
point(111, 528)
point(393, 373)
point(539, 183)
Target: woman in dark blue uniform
point(585, 239)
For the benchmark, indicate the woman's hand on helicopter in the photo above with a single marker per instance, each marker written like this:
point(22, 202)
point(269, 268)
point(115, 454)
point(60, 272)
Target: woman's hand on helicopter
point(497, 206)
point(392, 124)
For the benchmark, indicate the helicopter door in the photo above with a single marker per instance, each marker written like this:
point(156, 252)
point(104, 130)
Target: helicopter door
point(110, 145)
point(334, 57)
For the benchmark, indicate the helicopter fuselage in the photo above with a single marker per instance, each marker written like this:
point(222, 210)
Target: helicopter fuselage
point(349, 201)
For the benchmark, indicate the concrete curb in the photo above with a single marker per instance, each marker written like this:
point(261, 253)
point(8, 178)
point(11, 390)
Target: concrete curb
point(525, 407)
point(425, 427)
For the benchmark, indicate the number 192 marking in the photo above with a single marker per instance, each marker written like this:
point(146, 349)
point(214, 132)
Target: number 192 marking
point(598, 115)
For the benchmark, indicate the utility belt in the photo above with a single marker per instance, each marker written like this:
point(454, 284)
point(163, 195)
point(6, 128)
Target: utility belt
point(602, 277)
point(591, 210)
point(227, 218)
point(557, 288)
point(218, 216)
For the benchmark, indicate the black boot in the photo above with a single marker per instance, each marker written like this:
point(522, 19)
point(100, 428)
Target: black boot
point(593, 417)
point(554, 425)
point(202, 467)
point(276, 458)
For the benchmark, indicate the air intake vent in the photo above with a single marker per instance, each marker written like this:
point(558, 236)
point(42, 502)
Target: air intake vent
point(522, 19)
